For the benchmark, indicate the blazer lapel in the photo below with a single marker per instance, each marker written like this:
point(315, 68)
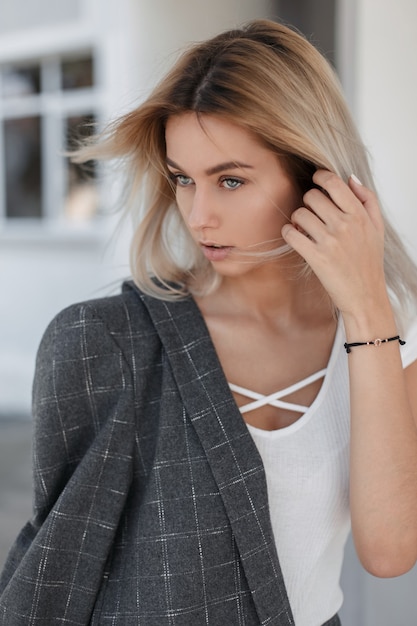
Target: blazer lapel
point(230, 450)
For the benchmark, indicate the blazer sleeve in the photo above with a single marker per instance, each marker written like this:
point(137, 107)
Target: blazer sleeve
point(83, 411)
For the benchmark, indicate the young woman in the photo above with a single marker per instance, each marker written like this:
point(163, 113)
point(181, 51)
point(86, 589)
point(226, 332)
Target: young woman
point(204, 439)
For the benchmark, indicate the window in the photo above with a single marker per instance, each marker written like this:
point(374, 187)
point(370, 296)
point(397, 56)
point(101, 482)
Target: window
point(45, 107)
point(22, 151)
point(81, 193)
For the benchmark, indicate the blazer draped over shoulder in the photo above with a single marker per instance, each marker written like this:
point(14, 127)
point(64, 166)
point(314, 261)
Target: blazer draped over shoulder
point(150, 499)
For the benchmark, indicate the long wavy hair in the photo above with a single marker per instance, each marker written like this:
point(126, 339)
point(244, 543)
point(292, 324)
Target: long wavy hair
point(268, 79)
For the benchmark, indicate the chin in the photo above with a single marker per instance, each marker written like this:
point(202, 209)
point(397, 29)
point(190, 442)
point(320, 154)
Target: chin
point(236, 269)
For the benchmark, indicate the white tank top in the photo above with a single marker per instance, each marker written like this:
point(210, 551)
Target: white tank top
point(307, 473)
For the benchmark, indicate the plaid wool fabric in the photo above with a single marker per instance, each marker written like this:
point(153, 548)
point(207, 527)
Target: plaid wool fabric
point(150, 501)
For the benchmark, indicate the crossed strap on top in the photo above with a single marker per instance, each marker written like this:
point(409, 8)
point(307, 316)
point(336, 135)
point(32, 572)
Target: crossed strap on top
point(274, 399)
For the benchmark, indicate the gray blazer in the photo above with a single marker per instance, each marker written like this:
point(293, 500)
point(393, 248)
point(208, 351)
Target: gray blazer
point(150, 500)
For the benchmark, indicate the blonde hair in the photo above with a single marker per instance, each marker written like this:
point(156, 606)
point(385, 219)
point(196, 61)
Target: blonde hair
point(271, 81)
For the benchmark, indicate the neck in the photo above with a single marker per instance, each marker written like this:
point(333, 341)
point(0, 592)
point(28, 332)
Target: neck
point(272, 292)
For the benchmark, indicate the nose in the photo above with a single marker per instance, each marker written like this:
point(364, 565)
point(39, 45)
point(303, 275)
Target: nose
point(203, 212)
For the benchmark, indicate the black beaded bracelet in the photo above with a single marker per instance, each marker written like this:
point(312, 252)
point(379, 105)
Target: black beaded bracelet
point(375, 342)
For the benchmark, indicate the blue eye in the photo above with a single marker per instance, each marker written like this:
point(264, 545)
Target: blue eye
point(182, 181)
point(231, 183)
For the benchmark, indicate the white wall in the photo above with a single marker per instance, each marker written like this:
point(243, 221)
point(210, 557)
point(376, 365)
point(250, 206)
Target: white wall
point(37, 278)
point(381, 71)
point(164, 27)
point(386, 103)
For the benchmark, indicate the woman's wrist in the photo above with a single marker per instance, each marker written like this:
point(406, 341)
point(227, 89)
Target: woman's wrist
point(370, 322)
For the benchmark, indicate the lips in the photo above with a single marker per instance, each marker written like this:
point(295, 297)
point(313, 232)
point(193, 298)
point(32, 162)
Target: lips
point(214, 251)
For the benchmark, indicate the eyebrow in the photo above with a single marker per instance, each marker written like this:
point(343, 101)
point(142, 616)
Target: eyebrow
point(221, 167)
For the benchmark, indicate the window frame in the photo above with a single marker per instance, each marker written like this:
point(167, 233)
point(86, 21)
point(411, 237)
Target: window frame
point(54, 105)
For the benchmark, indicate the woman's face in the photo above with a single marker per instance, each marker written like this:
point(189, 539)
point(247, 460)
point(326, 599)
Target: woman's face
point(233, 193)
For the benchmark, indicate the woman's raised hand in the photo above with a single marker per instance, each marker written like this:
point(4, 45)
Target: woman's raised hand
point(340, 233)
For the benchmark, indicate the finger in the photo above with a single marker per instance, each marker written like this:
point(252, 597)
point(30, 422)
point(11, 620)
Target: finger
point(339, 192)
point(322, 206)
point(309, 222)
point(297, 240)
point(368, 201)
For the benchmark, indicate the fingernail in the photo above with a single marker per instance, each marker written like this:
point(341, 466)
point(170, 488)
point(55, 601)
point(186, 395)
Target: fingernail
point(355, 179)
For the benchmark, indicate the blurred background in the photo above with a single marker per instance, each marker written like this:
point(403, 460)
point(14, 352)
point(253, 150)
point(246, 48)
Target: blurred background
point(66, 63)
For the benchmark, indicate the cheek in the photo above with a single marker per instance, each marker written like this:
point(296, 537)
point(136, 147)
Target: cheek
point(183, 203)
point(267, 214)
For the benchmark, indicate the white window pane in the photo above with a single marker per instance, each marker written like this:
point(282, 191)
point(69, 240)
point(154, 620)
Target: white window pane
point(77, 73)
point(81, 201)
point(20, 81)
point(22, 144)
